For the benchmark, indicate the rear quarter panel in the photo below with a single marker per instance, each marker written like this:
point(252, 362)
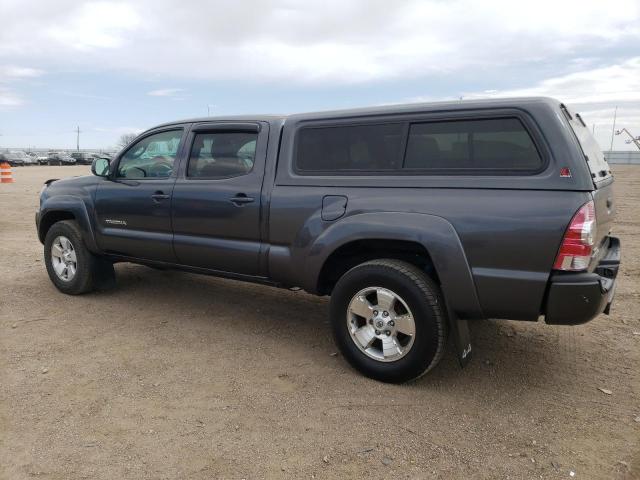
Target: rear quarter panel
point(510, 237)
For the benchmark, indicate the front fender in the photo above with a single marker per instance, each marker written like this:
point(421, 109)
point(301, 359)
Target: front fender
point(53, 206)
point(435, 233)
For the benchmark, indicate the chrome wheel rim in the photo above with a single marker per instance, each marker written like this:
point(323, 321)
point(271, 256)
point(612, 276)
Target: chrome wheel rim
point(63, 258)
point(381, 324)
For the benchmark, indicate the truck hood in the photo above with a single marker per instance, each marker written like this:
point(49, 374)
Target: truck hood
point(69, 186)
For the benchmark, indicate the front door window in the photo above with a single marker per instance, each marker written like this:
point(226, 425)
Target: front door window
point(151, 157)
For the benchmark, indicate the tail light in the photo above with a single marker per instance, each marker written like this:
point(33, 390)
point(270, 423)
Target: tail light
point(577, 244)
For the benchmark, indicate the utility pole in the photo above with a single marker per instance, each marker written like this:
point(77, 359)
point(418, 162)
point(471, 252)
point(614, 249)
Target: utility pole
point(613, 130)
point(78, 138)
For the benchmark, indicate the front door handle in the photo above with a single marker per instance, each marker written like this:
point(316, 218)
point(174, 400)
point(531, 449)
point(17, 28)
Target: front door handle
point(159, 196)
point(241, 199)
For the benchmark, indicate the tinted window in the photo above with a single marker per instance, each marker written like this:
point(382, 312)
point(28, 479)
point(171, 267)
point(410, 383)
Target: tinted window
point(151, 157)
point(344, 148)
point(222, 154)
point(492, 144)
point(598, 165)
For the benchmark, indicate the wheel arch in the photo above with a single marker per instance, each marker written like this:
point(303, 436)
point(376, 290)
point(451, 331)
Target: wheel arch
point(49, 219)
point(355, 252)
point(66, 208)
point(428, 241)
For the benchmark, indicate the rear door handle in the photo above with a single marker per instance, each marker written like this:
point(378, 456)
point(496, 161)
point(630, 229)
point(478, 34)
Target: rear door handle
point(159, 196)
point(241, 199)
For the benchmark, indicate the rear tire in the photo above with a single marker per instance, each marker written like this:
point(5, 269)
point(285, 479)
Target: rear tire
point(72, 268)
point(371, 294)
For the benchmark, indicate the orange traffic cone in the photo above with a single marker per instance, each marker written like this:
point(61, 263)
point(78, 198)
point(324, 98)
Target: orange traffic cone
point(5, 173)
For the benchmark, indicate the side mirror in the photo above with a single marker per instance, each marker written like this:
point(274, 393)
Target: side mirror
point(100, 167)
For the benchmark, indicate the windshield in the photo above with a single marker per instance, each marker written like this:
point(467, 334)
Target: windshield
point(598, 165)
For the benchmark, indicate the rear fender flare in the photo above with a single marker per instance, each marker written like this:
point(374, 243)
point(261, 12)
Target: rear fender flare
point(435, 233)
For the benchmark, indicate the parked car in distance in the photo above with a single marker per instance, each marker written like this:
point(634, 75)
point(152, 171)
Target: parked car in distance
point(51, 155)
point(43, 159)
point(415, 219)
point(15, 158)
point(6, 158)
point(30, 159)
point(83, 158)
point(60, 158)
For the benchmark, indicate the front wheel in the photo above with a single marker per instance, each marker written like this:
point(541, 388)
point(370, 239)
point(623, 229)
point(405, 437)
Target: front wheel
point(72, 268)
point(389, 320)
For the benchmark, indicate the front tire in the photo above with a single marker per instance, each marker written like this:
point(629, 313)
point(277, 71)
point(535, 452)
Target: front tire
point(389, 320)
point(72, 268)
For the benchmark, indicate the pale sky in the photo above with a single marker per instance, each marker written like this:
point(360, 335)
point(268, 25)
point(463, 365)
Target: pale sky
point(114, 67)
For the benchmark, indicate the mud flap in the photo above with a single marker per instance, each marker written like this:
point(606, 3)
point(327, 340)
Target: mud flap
point(461, 339)
point(105, 275)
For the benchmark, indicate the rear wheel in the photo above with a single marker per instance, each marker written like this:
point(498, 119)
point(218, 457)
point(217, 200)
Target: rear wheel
point(389, 320)
point(72, 268)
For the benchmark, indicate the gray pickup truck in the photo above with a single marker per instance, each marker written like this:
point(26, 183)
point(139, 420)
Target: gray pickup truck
point(415, 219)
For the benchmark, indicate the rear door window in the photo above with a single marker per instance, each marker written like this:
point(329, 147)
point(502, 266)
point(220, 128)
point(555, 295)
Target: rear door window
point(222, 154)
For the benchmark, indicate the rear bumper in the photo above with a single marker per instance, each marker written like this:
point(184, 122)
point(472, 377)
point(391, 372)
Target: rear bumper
point(575, 298)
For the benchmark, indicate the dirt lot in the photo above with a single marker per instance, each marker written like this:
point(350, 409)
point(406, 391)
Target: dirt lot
point(173, 375)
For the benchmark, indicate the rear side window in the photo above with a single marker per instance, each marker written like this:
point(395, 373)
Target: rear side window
point(496, 145)
point(350, 148)
point(500, 146)
point(222, 154)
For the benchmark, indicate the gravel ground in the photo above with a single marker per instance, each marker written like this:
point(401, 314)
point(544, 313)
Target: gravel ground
point(173, 375)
